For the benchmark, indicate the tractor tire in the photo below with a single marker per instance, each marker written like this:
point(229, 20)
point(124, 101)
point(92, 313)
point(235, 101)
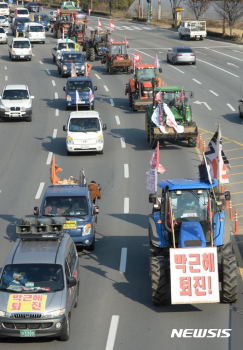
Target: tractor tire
point(129, 70)
point(192, 142)
point(158, 280)
point(133, 105)
point(110, 69)
point(229, 279)
point(151, 138)
point(130, 98)
point(167, 59)
point(227, 248)
point(59, 34)
point(107, 66)
point(87, 52)
point(92, 54)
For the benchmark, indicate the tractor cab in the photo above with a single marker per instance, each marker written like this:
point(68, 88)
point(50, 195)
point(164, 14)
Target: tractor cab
point(118, 49)
point(65, 19)
point(144, 74)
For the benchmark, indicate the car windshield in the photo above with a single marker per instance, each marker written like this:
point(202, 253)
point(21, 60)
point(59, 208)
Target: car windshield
point(21, 44)
point(73, 58)
point(79, 27)
point(79, 86)
point(2, 30)
point(36, 29)
point(64, 46)
point(23, 12)
point(65, 206)
point(118, 49)
point(15, 95)
point(84, 124)
point(3, 17)
point(22, 20)
point(171, 98)
point(31, 278)
point(3, 6)
point(65, 19)
point(145, 73)
point(41, 18)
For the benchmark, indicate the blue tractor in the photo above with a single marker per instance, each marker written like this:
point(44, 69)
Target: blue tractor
point(186, 202)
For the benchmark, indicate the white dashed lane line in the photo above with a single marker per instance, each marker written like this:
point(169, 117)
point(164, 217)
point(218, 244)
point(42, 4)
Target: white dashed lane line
point(196, 81)
point(214, 93)
point(56, 112)
point(126, 205)
point(5, 67)
point(123, 143)
point(56, 95)
point(106, 88)
point(49, 158)
point(112, 333)
point(53, 83)
point(54, 133)
point(6, 77)
point(232, 108)
point(48, 72)
point(40, 189)
point(123, 262)
point(126, 171)
point(41, 62)
point(117, 120)
point(97, 76)
point(112, 102)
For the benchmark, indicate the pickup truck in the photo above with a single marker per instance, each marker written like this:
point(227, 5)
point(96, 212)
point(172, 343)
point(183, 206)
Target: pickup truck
point(61, 44)
point(192, 30)
point(17, 25)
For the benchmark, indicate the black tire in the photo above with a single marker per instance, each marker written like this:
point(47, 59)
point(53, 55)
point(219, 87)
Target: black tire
point(69, 153)
point(76, 298)
point(130, 98)
point(30, 58)
point(173, 61)
point(92, 54)
point(167, 59)
point(129, 70)
point(133, 104)
point(240, 114)
point(158, 280)
point(66, 334)
point(29, 118)
point(194, 63)
point(107, 66)
point(101, 152)
point(227, 248)
point(147, 127)
point(229, 278)
point(192, 142)
point(110, 69)
point(59, 34)
point(54, 58)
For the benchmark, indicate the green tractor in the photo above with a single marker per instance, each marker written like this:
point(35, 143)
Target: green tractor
point(171, 95)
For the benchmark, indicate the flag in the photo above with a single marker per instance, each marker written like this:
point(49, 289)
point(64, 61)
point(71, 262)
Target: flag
point(89, 12)
point(170, 120)
point(76, 14)
point(181, 97)
point(99, 23)
point(73, 70)
point(112, 25)
point(126, 42)
point(158, 97)
point(136, 59)
point(77, 97)
point(156, 61)
point(111, 41)
point(151, 184)
point(58, 11)
point(204, 170)
point(91, 96)
point(171, 219)
point(72, 18)
point(154, 161)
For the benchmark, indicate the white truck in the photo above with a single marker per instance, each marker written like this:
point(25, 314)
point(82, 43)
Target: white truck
point(192, 30)
point(61, 44)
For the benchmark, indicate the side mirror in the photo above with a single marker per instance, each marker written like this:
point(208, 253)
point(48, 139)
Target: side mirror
point(71, 282)
point(64, 128)
point(95, 88)
point(104, 127)
point(36, 211)
point(152, 198)
point(64, 88)
point(191, 94)
point(96, 210)
point(160, 70)
point(227, 195)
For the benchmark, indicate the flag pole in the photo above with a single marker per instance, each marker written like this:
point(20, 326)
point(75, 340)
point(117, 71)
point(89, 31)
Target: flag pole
point(98, 24)
point(172, 224)
point(219, 156)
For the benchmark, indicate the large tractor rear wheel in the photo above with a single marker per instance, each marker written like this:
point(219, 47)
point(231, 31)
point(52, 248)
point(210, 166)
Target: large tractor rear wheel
point(110, 68)
point(129, 70)
point(133, 103)
point(229, 279)
point(59, 34)
point(192, 141)
point(130, 98)
point(107, 65)
point(158, 279)
point(92, 54)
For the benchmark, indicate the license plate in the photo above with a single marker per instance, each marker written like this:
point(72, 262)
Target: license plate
point(82, 102)
point(21, 56)
point(15, 115)
point(27, 333)
point(84, 146)
point(70, 225)
point(189, 215)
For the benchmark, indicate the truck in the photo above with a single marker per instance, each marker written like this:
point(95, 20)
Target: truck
point(96, 44)
point(63, 22)
point(60, 45)
point(69, 203)
point(17, 26)
point(117, 57)
point(140, 89)
point(187, 227)
point(192, 30)
point(182, 112)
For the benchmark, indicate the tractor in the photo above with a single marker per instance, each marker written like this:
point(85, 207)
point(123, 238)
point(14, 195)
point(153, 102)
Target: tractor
point(182, 113)
point(117, 57)
point(96, 44)
point(63, 23)
point(189, 213)
point(140, 88)
point(78, 29)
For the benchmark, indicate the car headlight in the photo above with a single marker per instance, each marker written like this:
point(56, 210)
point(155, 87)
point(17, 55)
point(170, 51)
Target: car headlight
point(54, 313)
point(70, 140)
point(69, 98)
point(83, 67)
point(87, 230)
point(64, 67)
point(4, 314)
point(23, 109)
point(7, 109)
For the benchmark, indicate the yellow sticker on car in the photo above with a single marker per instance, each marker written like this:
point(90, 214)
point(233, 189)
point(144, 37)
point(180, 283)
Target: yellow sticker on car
point(70, 225)
point(26, 303)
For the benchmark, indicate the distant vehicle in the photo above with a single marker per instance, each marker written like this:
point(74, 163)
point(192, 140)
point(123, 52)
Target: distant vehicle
point(181, 55)
point(53, 16)
point(3, 36)
point(192, 30)
point(16, 102)
point(60, 45)
point(81, 14)
point(20, 48)
point(35, 32)
point(44, 20)
point(21, 12)
point(18, 25)
point(3, 21)
point(4, 9)
point(32, 7)
point(64, 63)
point(240, 108)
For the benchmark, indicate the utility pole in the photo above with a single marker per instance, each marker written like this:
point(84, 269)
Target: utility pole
point(159, 9)
point(110, 7)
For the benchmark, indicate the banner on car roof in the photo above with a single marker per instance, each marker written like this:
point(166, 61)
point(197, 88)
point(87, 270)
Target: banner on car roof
point(26, 303)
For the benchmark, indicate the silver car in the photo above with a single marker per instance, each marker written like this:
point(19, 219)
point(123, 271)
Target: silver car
point(181, 55)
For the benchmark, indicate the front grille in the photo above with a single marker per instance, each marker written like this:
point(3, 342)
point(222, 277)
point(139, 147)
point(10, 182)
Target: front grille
point(14, 108)
point(33, 325)
point(8, 325)
point(27, 315)
point(27, 325)
point(21, 325)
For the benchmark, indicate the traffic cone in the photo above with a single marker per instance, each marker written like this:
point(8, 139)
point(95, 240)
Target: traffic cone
point(226, 202)
point(204, 146)
point(230, 209)
point(200, 140)
point(236, 222)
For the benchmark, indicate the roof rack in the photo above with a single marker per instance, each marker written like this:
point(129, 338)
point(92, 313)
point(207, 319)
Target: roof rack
point(40, 231)
point(70, 181)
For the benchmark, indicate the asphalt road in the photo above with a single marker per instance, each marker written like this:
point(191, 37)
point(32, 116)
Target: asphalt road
point(115, 309)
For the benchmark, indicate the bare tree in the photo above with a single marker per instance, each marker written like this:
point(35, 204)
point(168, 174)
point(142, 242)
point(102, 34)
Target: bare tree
point(230, 10)
point(198, 7)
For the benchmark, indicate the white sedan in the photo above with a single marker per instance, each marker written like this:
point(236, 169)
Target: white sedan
point(3, 36)
point(3, 21)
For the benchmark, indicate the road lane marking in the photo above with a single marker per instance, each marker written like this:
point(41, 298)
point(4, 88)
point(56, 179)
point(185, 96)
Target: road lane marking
point(126, 171)
point(224, 54)
point(236, 183)
point(56, 112)
point(53, 83)
point(5, 67)
point(126, 205)
point(123, 261)
point(106, 88)
point(236, 192)
point(213, 92)
point(54, 133)
point(40, 189)
point(112, 332)
point(123, 143)
point(117, 120)
point(232, 108)
point(41, 62)
point(112, 102)
point(6, 77)
point(230, 150)
point(226, 138)
point(201, 53)
point(235, 205)
point(48, 72)
point(198, 82)
point(49, 158)
point(97, 76)
point(235, 166)
point(235, 158)
point(56, 95)
point(212, 65)
point(235, 174)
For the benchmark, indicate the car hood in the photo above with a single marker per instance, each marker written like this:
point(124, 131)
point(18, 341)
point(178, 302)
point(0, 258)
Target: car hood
point(50, 301)
point(15, 103)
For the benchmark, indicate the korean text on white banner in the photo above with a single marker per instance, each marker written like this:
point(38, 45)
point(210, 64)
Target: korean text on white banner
point(194, 275)
point(152, 180)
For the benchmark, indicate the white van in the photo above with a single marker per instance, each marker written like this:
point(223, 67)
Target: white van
point(84, 132)
point(35, 32)
point(4, 9)
point(20, 48)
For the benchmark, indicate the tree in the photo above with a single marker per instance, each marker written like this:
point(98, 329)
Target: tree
point(198, 7)
point(230, 10)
